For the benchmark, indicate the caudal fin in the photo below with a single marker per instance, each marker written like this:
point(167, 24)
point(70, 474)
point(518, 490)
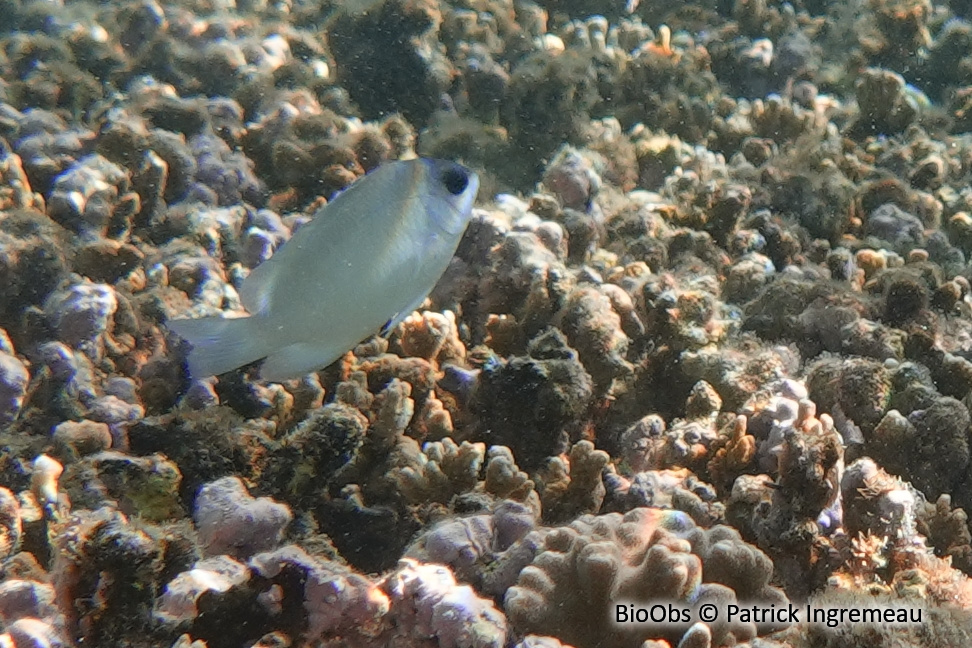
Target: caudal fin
point(220, 344)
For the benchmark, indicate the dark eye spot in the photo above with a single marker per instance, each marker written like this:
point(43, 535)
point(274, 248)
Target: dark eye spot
point(455, 180)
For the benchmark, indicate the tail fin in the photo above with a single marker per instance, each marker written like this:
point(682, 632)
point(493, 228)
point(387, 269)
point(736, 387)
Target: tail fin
point(220, 344)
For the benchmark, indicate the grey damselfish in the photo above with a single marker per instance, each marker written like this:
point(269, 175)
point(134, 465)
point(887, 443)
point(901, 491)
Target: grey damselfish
point(366, 260)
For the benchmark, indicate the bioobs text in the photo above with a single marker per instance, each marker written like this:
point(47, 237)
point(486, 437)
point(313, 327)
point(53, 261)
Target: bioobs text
point(676, 614)
point(658, 613)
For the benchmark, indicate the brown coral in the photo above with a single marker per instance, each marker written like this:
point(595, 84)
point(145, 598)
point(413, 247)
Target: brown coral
point(645, 555)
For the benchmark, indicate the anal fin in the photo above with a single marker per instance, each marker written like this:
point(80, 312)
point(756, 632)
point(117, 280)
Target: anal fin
point(297, 360)
point(219, 344)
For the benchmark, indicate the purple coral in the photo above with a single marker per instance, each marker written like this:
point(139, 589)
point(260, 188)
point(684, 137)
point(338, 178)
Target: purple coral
point(486, 550)
point(427, 603)
point(81, 314)
point(336, 601)
point(231, 521)
point(13, 386)
point(227, 173)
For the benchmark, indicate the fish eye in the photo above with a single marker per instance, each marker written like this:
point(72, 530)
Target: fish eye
point(455, 180)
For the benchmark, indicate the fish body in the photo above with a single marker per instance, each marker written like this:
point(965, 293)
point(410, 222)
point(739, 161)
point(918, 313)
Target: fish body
point(370, 256)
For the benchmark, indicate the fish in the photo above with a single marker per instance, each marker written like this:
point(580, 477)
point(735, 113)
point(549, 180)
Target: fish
point(364, 262)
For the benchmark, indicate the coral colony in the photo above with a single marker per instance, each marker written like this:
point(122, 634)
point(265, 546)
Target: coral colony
point(695, 371)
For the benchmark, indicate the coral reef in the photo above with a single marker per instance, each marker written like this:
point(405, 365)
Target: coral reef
point(705, 339)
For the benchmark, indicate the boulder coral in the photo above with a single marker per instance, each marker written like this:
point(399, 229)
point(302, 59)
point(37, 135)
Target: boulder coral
point(584, 568)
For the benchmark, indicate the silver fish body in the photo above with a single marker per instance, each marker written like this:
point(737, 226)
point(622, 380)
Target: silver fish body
point(370, 256)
